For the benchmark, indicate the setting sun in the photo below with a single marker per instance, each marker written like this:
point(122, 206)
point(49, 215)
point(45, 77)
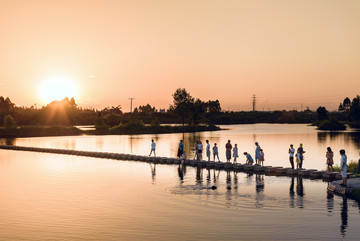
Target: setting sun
point(57, 88)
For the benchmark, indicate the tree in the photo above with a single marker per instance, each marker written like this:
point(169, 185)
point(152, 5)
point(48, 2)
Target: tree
point(355, 109)
point(213, 106)
point(147, 109)
point(9, 122)
point(198, 109)
point(183, 103)
point(322, 113)
point(345, 106)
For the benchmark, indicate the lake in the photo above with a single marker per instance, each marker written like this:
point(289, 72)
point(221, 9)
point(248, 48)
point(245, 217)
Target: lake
point(62, 197)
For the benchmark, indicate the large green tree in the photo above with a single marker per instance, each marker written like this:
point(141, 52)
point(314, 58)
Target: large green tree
point(182, 104)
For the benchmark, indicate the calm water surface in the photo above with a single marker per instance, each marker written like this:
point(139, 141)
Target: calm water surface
point(60, 197)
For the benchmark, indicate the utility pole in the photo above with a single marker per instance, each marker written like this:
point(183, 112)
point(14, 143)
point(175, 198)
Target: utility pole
point(131, 99)
point(254, 102)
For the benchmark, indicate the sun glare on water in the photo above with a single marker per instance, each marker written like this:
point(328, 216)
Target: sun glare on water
point(57, 88)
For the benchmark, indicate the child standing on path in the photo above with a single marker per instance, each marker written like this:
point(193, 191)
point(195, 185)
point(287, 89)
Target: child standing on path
point(216, 152)
point(153, 145)
point(261, 157)
point(208, 153)
point(235, 153)
point(343, 167)
point(329, 159)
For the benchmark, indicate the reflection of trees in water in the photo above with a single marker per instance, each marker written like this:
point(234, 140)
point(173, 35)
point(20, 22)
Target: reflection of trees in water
point(8, 141)
point(190, 139)
point(350, 138)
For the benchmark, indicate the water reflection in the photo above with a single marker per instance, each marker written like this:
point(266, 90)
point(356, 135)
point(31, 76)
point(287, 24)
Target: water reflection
point(153, 172)
point(350, 138)
point(292, 193)
point(330, 202)
point(300, 192)
point(344, 217)
point(181, 172)
point(7, 141)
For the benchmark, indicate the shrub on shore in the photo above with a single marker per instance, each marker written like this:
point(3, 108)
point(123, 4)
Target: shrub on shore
point(352, 167)
point(331, 125)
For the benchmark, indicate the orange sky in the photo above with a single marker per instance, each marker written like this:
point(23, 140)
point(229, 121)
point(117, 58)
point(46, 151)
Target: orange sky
point(288, 53)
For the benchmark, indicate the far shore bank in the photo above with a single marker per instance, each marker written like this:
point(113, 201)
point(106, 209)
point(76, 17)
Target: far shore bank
point(44, 131)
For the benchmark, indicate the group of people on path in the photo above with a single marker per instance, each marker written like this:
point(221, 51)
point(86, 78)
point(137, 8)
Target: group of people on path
point(329, 160)
point(259, 155)
point(299, 156)
point(230, 152)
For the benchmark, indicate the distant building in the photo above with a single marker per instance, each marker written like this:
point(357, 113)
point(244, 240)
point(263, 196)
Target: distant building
point(162, 110)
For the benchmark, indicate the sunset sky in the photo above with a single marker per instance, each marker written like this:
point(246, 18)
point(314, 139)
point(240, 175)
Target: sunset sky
point(287, 52)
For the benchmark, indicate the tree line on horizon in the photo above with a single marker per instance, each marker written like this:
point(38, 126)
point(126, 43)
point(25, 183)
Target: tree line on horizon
point(185, 110)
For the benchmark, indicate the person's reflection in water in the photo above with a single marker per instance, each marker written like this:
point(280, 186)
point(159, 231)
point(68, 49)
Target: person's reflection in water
point(235, 181)
point(228, 194)
point(259, 183)
point(300, 192)
point(292, 193)
point(181, 172)
point(208, 177)
point(228, 180)
point(199, 175)
point(249, 177)
point(344, 217)
point(216, 177)
point(330, 202)
point(259, 187)
point(153, 171)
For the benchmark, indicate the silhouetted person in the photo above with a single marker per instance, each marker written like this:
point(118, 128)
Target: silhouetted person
point(235, 153)
point(329, 159)
point(300, 152)
point(249, 159)
point(208, 153)
point(153, 146)
point(228, 148)
point(291, 155)
point(343, 167)
point(216, 152)
point(180, 149)
point(257, 152)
